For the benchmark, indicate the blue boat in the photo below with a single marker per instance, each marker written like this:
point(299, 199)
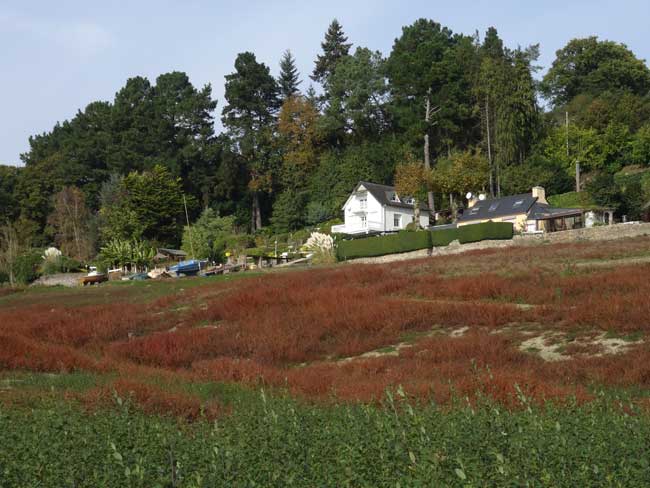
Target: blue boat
point(189, 267)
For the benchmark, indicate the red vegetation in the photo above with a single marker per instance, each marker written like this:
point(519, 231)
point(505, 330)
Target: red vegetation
point(293, 329)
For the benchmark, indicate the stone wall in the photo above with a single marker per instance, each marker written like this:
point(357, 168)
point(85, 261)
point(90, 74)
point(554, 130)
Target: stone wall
point(602, 233)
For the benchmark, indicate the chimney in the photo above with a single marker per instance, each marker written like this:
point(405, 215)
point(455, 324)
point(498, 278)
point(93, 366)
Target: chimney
point(540, 193)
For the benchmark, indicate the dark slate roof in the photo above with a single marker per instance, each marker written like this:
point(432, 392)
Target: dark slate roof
point(382, 194)
point(541, 211)
point(498, 207)
point(172, 252)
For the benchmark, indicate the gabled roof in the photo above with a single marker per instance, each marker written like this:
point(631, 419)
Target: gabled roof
point(383, 193)
point(499, 207)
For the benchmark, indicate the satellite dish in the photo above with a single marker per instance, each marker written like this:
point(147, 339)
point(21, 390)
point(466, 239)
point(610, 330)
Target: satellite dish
point(469, 195)
point(481, 196)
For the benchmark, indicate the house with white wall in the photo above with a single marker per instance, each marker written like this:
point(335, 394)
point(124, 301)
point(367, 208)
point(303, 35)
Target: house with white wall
point(373, 208)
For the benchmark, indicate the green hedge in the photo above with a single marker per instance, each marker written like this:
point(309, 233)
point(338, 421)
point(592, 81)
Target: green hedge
point(484, 231)
point(441, 238)
point(403, 241)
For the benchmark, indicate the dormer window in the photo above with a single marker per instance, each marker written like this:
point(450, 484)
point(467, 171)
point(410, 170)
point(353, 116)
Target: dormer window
point(394, 197)
point(410, 201)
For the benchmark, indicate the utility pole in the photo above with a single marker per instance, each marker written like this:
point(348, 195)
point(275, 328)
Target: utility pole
point(427, 162)
point(489, 145)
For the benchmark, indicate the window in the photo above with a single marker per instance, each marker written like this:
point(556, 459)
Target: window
point(364, 221)
point(363, 202)
point(397, 220)
point(393, 197)
point(518, 203)
point(410, 201)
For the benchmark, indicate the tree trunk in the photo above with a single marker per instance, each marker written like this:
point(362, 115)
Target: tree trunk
point(416, 213)
point(257, 213)
point(427, 162)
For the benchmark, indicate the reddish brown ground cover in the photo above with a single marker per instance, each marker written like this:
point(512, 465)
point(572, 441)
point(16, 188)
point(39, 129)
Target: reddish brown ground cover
point(310, 331)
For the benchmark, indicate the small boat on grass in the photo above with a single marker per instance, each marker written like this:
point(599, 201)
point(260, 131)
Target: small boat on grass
point(189, 267)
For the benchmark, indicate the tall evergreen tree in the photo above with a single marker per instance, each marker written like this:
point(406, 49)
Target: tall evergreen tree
point(335, 47)
point(252, 96)
point(289, 78)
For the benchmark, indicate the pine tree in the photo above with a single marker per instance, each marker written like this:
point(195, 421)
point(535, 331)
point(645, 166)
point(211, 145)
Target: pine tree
point(335, 47)
point(289, 77)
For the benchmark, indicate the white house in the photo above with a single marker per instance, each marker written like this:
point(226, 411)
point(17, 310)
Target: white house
point(373, 208)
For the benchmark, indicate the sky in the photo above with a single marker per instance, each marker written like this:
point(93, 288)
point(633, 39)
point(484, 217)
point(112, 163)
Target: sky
point(57, 57)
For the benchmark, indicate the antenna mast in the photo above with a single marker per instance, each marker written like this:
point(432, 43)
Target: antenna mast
point(189, 228)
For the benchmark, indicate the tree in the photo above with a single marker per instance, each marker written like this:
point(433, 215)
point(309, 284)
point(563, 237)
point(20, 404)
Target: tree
point(536, 171)
point(335, 47)
point(70, 219)
point(507, 99)
point(640, 146)
point(208, 236)
point(463, 171)
point(604, 190)
point(297, 138)
point(9, 205)
point(413, 180)
point(10, 249)
point(590, 66)
point(357, 98)
point(289, 78)
point(149, 205)
point(249, 116)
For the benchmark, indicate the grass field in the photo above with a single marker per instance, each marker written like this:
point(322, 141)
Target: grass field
point(526, 366)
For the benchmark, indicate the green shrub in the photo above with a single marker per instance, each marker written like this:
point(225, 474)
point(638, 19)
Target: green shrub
point(484, 231)
point(61, 264)
point(26, 266)
point(404, 241)
point(441, 238)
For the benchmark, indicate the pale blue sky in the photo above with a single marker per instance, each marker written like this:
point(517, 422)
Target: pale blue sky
point(56, 57)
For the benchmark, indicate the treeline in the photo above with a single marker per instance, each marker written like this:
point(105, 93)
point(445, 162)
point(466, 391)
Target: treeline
point(294, 146)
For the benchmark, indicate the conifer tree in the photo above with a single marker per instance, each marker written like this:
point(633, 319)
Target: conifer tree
point(289, 78)
point(335, 47)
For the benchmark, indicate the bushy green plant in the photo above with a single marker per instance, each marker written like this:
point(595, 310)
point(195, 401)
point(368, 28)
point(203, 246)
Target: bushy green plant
point(60, 264)
point(27, 265)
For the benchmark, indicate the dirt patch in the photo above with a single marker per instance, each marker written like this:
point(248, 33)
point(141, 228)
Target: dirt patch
point(558, 346)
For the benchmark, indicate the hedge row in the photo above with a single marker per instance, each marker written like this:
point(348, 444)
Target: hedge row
point(406, 241)
point(441, 238)
point(484, 231)
point(403, 241)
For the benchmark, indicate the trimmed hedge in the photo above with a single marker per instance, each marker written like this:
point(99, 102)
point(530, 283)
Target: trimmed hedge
point(404, 241)
point(441, 238)
point(484, 231)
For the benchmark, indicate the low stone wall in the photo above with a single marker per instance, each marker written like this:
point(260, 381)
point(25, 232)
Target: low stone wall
point(60, 279)
point(601, 233)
